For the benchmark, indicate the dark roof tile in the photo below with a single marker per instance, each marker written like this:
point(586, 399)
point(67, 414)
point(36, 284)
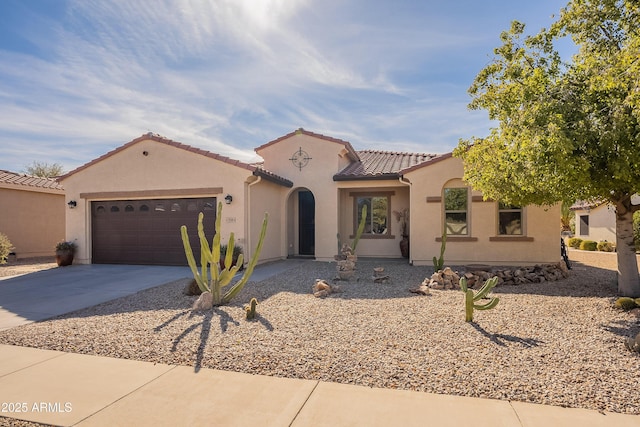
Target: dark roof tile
point(375, 164)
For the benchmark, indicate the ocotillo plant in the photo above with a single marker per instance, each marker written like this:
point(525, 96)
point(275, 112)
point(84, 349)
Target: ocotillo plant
point(470, 298)
point(211, 277)
point(438, 263)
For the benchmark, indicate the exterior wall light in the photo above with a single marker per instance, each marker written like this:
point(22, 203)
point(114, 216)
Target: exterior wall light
point(228, 199)
point(72, 204)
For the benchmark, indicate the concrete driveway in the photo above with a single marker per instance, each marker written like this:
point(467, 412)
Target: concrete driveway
point(48, 293)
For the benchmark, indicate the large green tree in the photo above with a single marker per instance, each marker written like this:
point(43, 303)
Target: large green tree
point(566, 130)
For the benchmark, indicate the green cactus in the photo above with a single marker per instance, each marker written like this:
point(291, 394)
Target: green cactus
point(438, 263)
point(363, 220)
point(471, 298)
point(251, 309)
point(625, 303)
point(211, 277)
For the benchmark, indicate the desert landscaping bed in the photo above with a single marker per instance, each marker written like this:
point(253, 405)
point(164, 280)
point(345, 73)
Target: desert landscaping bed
point(557, 343)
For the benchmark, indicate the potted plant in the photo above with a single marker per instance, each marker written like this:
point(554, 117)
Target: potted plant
point(403, 217)
point(237, 250)
point(65, 252)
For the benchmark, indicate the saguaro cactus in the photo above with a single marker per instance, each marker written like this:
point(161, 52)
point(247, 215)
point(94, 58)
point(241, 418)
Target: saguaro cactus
point(211, 277)
point(438, 263)
point(471, 298)
point(363, 220)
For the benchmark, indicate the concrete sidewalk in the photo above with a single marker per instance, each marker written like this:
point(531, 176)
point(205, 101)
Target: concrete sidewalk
point(66, 389)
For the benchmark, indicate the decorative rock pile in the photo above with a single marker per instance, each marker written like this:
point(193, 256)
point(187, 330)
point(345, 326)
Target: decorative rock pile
point(346, 263)
point(323, 289)
point(379, 275)
point(449, 279)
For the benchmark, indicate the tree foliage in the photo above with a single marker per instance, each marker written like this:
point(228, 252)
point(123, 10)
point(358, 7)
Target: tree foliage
point(44, 170)
point(566, 131)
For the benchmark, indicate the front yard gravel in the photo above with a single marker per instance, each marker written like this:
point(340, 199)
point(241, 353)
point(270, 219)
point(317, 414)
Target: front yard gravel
point(557, 343)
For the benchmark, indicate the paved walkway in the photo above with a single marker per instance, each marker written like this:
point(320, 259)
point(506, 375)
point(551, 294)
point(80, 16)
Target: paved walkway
point(69, 389)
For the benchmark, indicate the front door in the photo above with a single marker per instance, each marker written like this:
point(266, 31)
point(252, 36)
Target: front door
point(306, 223)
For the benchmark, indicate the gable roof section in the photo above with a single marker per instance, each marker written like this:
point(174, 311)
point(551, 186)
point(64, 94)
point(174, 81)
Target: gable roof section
point(586, 204)
point(374, 165)
point(255, 169)
point(20, 181)
point(353, 155)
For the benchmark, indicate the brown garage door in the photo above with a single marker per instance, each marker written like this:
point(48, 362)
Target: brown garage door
point(147, 231)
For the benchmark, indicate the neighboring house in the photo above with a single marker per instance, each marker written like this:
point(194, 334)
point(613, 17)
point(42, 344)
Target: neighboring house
point(595, 221)
point(132, 201)
point(32, 213)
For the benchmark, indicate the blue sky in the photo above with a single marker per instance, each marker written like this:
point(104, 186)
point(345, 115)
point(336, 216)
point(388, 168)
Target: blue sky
point(79, 78)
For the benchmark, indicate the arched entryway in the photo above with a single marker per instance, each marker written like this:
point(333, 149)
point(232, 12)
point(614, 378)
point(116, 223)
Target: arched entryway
point(301, 217)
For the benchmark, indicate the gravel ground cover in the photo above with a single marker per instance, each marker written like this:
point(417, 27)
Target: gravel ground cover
point(26, 265)
point(557, 343)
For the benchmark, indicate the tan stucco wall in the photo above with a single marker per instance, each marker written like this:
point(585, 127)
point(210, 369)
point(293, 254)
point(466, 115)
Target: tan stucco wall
point(164, 168)
point(33, 220)
point(327, 158)
point(265, 196)
point(171, 170)
point(542, 224)
point(602, 223)
point(372, 246)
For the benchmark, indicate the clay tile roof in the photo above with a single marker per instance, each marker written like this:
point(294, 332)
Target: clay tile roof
point(28, 181)
point(586, 204)
point(376, 164)
point(257, 170)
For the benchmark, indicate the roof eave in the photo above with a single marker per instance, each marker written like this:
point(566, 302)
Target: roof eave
point(272, 178)
point(380, 177)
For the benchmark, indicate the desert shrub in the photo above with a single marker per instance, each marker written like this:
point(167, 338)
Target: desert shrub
point(605, 246)
point(5, 248)
point(625, 303)
point(588, 245)
point(574, 242)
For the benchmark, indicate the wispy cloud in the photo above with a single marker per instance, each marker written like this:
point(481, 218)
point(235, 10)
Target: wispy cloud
point(230, 75)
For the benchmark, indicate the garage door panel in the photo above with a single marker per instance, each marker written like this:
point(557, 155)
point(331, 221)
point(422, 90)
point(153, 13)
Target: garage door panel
point(147, 231)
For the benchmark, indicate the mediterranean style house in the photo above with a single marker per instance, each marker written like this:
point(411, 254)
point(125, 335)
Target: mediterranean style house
point(32, 213)
point(131, 202)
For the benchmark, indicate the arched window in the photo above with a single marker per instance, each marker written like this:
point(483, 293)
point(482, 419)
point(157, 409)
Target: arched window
point(456, 211)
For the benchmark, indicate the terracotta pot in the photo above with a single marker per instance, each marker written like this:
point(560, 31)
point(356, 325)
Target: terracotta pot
point(404, 247)
point(64, 258)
